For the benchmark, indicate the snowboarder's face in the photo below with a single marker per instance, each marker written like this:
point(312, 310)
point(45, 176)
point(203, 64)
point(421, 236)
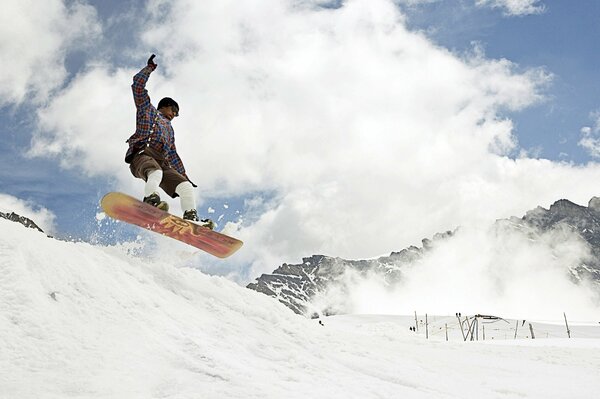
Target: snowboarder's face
point(169, 112)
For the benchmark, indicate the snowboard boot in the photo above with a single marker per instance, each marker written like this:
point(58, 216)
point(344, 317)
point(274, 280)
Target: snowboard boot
point(192, 216)
point(154, 200)
point(209, 224)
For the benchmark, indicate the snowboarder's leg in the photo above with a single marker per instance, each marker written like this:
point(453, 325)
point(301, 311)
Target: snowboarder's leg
point(185, 191)
point(177, 185)
point(153, 179)
point(145, 167)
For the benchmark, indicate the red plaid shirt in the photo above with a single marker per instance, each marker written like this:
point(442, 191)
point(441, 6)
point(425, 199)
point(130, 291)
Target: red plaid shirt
point(152, 128)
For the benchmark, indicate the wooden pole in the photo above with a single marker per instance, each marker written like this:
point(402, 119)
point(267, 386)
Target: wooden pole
point(516, 328)
point(531, 329)
point(473, 330)
point(461, 327)
point(469, 328)
point(446, 331)
point(426, 327)
point(567, 324)
point(416, 321)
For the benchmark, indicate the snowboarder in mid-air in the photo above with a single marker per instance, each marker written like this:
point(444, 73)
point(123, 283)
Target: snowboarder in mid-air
point(152, 155)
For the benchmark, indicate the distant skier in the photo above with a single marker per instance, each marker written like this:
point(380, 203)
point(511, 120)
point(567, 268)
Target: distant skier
point(152, 154)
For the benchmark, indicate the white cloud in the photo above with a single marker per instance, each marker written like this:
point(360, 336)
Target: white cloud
point(86, 125)
point(35, 38)
point(514, 7)
point(497, 271)
point(590, 136)
point(44, 218)
point(369, 136)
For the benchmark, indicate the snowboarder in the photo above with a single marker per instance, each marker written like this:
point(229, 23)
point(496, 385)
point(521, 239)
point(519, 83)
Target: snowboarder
point(152, 155)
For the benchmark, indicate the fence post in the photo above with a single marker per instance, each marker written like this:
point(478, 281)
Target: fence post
point(461, 327)
point(567, 324)
point(416, 321)
point(473, 326)
point(531, 329)
point(469, 328)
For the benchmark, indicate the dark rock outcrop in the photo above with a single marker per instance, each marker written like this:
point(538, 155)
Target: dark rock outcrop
point(297, 285)
point(20, 219)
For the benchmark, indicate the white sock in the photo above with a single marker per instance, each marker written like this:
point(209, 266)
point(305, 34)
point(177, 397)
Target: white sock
point(186, 193)
point(152, 182)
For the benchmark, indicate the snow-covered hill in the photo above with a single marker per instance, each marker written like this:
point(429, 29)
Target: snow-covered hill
point(82, 321)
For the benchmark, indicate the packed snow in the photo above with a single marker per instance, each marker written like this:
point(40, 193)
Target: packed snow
point(85, 321)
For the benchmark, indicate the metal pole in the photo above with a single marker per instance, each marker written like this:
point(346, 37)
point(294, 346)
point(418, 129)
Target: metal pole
point(416, 321)
point(426, 327)
point(516, 328)
point(469, 328)
point(461, 327)
point(446, 331)
point(567, 324)
point(531, 329)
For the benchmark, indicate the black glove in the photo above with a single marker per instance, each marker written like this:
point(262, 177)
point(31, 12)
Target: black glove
point(151, 63)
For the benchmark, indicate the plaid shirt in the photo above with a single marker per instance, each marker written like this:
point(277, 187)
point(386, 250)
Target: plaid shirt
point(152, 128)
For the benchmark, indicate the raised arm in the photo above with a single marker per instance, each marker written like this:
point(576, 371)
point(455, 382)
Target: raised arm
point(140, 94)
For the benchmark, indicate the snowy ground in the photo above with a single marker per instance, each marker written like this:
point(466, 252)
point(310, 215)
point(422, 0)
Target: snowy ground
point(82, 321)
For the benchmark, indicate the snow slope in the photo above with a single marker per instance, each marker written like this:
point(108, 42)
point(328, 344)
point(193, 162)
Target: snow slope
point(83, 321)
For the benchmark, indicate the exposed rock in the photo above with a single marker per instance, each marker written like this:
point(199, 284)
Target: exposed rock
point(20, 219)
point(298, 285)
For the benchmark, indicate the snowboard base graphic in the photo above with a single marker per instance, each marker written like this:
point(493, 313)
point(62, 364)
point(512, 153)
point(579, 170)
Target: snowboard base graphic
point(130, 210)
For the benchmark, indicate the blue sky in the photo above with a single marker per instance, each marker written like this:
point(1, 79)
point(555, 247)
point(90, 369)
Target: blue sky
point(562, 39)
point(299, 117)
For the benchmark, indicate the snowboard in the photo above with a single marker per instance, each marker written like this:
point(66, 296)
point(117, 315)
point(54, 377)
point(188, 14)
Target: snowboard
point(130, 210)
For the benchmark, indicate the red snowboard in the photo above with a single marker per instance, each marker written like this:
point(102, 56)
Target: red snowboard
point(128, 209)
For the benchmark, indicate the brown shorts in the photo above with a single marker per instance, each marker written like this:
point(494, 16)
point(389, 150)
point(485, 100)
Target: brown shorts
point(147, 161)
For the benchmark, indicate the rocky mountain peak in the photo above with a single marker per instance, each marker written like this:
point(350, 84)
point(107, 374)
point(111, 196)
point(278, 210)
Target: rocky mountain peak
point(594, 204)
point(297, 285)
point(20, 219)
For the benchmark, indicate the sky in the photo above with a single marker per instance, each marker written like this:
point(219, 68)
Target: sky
point(88, 321)
point(346, 128)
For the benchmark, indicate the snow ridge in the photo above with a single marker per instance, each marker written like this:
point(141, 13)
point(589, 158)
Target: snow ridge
point(84, 321)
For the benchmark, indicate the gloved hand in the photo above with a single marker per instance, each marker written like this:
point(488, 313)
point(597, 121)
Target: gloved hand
point(151, 63)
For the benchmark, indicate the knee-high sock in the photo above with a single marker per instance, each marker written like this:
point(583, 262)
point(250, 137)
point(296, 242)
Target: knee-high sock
point(186, 193)
point(152, 182)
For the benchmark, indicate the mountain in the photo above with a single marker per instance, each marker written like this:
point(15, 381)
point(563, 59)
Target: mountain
point(20, 219)
point(298, 285)
point(585, 221)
